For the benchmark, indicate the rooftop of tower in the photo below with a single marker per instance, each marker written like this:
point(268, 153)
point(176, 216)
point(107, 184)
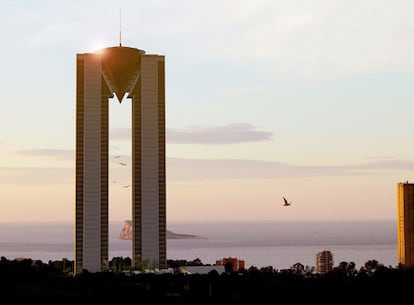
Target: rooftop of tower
point(121, 67)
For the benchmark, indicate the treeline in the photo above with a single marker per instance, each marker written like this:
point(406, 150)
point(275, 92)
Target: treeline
point(31, 280)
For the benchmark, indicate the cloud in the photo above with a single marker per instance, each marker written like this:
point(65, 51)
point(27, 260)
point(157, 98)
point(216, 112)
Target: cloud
point(63, 154)
point(390, 164)
point(214, 135)
point(187, 169)
point(217, 135)
point(47, 152)
point(36, 175)
point(203, 169)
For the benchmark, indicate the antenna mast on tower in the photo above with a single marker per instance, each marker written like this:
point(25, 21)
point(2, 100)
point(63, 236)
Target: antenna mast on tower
point(120, 28)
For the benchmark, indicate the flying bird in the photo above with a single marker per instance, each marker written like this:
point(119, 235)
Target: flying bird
point(123, 164)
point(118, 156)
point(126, 186)
point(286, 203)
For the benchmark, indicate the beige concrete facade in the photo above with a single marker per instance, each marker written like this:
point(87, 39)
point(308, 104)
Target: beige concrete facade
point(405, 199)
point(324, 262)
point(120, 70)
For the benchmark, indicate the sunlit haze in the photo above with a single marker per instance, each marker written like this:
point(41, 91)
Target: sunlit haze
point(310, 100)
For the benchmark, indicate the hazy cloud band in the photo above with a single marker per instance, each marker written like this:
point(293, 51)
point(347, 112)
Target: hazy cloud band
point(47, 152)
point(214, 135)
point(206, 169)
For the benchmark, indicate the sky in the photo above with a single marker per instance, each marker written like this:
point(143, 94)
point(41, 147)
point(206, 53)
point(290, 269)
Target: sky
point(307, 99)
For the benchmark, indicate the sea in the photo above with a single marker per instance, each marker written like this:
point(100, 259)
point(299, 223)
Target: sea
point(259, 244)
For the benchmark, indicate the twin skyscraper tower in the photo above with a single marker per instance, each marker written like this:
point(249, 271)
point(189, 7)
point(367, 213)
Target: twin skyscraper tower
point(99, 76)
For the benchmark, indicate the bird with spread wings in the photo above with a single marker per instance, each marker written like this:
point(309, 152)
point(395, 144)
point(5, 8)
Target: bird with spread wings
point(286, 202)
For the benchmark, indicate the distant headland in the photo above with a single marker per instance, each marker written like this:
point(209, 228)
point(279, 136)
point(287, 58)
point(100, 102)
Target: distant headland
point(126, 233)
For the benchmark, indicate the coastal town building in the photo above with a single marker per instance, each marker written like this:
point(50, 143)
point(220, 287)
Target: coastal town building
point(324, 262)
point(236, 264)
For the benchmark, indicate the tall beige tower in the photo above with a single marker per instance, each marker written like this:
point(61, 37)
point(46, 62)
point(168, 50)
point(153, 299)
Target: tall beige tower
point(100, 76)
point(405, 198)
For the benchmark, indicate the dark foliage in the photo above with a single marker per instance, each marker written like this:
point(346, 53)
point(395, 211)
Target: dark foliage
point(30, 281)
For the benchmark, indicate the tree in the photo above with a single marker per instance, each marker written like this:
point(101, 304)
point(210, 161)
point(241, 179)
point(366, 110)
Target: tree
point(195, 262)
point(298, 268)
point(371, 266)
point(228, 267)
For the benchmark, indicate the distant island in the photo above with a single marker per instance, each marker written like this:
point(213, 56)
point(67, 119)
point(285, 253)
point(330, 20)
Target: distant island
point(126, 233)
